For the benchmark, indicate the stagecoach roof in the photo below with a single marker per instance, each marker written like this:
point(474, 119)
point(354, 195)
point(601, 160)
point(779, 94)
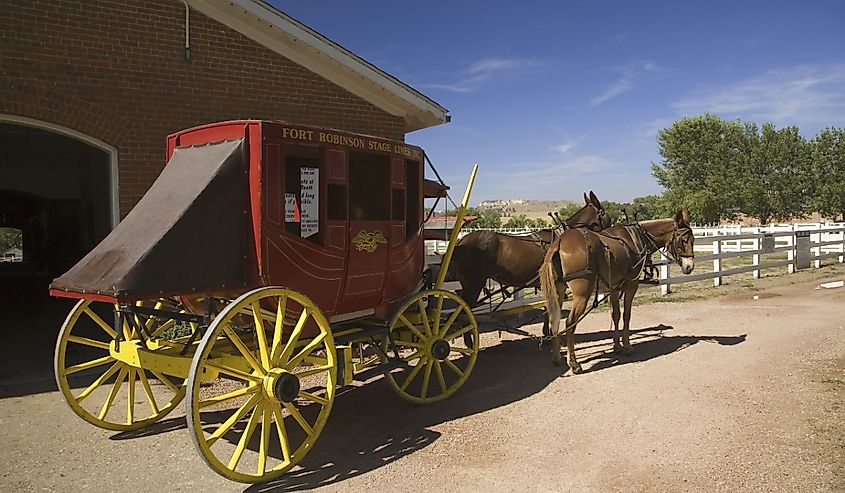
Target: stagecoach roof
point(290, 38)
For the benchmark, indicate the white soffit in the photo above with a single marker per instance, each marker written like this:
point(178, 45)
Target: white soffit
point(310, 49)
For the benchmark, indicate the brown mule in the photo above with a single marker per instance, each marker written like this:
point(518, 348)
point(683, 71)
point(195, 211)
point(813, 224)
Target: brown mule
point(607, 262)
point(513, 260)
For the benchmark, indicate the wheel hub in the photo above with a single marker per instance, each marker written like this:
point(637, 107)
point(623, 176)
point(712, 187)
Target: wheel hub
point(440, 349)
point(281, 385)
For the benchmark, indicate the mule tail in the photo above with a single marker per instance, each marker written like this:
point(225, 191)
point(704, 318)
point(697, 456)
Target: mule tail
point(548, 283)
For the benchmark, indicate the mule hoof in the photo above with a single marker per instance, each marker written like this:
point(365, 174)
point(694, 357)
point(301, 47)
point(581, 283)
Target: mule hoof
point(617, 348)
point(627, 349)
point(576, 368)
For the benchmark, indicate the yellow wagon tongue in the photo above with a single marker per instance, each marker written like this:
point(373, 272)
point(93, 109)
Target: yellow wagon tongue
point(188, 233)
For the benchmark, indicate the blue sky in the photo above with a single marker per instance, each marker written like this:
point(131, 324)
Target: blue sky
point(554, 98)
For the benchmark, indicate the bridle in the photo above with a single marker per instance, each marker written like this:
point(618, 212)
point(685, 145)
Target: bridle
point(673, 245)
point(601, 216)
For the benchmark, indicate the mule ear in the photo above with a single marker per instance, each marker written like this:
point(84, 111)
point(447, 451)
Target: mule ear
point(595, 200)
point(682, 217)
point(586, 200)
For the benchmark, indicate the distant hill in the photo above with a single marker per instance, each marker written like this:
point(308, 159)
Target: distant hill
point(532, 209)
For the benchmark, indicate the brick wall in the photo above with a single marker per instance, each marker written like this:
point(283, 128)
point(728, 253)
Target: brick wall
point(116, 71)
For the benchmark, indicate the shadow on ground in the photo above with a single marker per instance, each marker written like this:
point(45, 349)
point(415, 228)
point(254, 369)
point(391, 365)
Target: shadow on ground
point(370, 426)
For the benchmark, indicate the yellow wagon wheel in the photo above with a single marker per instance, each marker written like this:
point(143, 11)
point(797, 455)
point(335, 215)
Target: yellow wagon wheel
point(102, 390)
point(437, 336)
point(261, 385)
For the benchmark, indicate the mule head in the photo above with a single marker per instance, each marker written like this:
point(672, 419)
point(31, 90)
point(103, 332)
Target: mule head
point(682, 244)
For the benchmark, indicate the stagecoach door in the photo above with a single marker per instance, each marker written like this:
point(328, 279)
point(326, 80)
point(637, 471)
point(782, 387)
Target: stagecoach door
point(368, 239)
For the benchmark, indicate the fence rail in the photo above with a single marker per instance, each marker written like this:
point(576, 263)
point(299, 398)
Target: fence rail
point(805, 244)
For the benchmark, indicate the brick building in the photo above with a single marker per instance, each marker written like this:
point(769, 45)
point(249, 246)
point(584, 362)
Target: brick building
point(90, 90)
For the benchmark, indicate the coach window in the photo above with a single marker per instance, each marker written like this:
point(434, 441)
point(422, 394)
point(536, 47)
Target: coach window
point(412, 198)
point(369, 185)
point(302, 192)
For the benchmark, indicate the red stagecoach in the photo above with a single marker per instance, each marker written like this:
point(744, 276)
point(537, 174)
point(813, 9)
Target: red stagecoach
point(268, 264)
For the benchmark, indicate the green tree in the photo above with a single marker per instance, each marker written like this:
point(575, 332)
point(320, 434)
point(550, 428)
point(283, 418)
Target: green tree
point(538, 223)
point(10, 238)
point(614, 210)
point(567, 211)
point(648, 207)
point(518, 221)
point(776, 175)
point(701, 156)
point(828, 172)
point(487, 218)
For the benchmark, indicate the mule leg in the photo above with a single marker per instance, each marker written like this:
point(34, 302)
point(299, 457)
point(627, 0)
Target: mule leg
point(579, 306)
point(630, 291)
point(615, 313)
point(554, 328)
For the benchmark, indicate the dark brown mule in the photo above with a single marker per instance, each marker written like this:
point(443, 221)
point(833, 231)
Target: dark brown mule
point(513, 260)
point(607, 262)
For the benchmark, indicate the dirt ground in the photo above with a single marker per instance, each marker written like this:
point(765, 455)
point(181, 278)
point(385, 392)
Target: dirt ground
point(743, 390)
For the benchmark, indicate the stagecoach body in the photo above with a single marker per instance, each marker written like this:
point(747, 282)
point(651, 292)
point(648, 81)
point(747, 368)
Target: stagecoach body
point(244, 204)
point(268, 264)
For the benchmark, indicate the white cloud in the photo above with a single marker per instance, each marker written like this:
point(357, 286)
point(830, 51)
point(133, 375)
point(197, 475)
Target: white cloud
point(568, 145)
point(804, 94)
point(625, 82)
point(484, 70)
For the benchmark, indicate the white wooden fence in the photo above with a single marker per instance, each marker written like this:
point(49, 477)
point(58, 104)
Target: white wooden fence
point(805, 245)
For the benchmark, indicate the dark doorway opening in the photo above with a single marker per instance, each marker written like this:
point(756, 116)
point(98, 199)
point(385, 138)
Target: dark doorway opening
point(57, 192)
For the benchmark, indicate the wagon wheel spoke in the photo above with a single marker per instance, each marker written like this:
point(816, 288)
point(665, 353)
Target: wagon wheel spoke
point(148, 391)
point(411, 327)
point(89, 342)
point(284, 385)
point(166, 381)
point(448, 325)
point(313, 371)
point(130, 400)
point(264, 451)
point(311, 346)
point(436, 316)
point(412, 375)
point(454, 368)
point(297, 416)
point(263, 351)
point(294, 338)
point(242, 348)
point(278, 328)
point(439, 372)
point(282, 431)
point(91, 379)
point(421, 306)
point(426, 378)
point(89, 364)
point(99, 321)
point(236, 416)
point(229, 395)
point(113, 393)
point(245, 436)
point(98, 382)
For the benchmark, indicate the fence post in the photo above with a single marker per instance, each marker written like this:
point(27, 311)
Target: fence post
point(790, 254)
point(664, 276)
point(755, 257)
point(842, 246)
point(818, 250)
point(717, 262)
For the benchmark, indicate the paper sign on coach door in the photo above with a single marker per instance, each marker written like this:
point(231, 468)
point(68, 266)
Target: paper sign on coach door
point(309, 207)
